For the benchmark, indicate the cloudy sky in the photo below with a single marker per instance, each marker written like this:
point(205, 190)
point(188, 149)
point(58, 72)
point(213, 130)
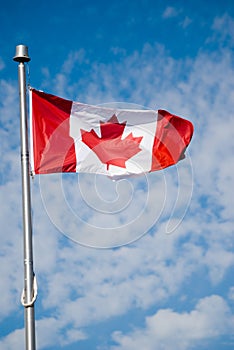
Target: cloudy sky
point(164, 276)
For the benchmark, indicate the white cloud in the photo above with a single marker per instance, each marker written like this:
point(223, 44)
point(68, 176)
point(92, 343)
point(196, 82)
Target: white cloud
point(51, 331)
point(218, 261)
point(2, 64)
point(231, 294)
point(186, 22)
point(13, 341)
point(223, 27)
point(168, 329)
point(170, 12)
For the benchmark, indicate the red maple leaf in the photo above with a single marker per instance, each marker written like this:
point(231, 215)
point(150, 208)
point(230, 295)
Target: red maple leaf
point(110, 148)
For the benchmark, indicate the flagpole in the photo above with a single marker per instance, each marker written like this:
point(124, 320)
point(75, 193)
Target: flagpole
point(29, 292)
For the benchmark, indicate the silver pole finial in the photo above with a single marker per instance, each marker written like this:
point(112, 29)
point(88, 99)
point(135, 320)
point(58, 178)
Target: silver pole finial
point(21, 54)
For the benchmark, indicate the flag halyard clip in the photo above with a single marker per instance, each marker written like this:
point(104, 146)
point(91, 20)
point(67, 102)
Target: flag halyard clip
point(34, 296)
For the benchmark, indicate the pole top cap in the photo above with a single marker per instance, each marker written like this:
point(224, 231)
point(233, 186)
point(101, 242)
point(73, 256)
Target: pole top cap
point(21, 54)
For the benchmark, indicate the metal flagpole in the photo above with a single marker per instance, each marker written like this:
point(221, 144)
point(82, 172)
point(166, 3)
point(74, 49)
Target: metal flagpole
point(29, 292)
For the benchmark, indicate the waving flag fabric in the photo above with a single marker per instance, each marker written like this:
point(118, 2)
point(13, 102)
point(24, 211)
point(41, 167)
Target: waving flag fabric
point(69, 136)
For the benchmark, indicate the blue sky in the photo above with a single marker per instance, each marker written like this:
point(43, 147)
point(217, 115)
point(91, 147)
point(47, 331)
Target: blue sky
point(173, 288)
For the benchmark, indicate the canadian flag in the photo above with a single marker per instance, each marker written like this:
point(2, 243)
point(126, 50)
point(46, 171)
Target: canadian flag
point(69, 136)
